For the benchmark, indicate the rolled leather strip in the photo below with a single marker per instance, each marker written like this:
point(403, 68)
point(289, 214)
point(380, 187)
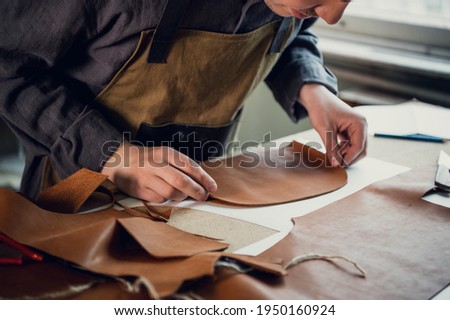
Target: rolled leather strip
point(68, 195)
point(272, 176)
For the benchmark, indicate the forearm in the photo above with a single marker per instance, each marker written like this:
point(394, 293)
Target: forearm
point(301, 63)
point(49, 118)
point(55, 124)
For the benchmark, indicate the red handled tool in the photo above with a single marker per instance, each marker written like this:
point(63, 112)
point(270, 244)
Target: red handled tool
point(27, 252)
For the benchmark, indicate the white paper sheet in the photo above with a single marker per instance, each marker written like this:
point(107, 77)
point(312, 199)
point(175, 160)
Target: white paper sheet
point(444, 159)
point(411, 117)
point(279, 217)
point(440, 198)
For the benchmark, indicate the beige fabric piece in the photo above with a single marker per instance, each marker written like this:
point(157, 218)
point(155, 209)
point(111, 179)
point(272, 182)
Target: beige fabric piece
point(271, 176)
point(237, 233)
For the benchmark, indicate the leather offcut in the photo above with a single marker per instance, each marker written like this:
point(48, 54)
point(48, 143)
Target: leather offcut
point(113, 243)
point(68, 195)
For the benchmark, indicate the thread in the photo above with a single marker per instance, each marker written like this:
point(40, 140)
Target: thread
point(309, 257)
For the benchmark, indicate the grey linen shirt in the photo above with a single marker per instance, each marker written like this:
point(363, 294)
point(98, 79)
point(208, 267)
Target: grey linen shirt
point(56, 56)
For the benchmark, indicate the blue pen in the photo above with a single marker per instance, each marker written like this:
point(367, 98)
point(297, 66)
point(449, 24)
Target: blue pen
point(417, 137)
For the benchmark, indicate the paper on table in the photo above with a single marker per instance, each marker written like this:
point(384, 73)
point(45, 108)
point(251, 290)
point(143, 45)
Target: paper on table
point(444, 159)
point(412, 117)
point(440, 198)
point(435, 196)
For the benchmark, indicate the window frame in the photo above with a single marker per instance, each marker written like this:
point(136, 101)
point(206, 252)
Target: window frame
point(400, 56)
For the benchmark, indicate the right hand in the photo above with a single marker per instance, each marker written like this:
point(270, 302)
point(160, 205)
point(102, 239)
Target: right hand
point(157, 174)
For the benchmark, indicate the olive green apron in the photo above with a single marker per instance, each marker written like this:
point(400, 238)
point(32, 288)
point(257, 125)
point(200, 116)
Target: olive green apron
point(194, 97)
point(205, 81)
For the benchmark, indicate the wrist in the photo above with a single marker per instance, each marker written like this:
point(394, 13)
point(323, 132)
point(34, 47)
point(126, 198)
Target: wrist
point(310, 93)
point(115, 161)
point(313, 96)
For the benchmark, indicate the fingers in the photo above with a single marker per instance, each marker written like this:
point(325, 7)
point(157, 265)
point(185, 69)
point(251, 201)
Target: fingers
point(333, 148)
point(355, 153)
point(357, 143)
point(190, 168)
point(159, 174)
point(351, 148)
point(165, 190)
point(147, 195)
point(176, 180)
point(172, 175)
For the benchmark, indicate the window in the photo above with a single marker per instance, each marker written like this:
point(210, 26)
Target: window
point(433, 13)
point(402, 45)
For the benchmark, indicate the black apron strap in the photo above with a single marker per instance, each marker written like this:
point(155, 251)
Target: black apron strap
point(199, 143)
point(280, 35)
point(166, 29)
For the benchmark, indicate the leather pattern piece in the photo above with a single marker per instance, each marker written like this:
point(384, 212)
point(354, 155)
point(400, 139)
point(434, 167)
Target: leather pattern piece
point(401, 241)
point(98, 243)
point(273, 176)
point(56, 198)
point(164, 241)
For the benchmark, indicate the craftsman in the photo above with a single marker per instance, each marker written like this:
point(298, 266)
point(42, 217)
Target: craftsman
point(92, 84)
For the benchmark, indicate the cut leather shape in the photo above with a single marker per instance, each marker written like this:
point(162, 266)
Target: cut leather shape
point(273, 176)
point(158, 212)
point(401, 241)
point(164, 241)
point(98, 243)
point(83, 183)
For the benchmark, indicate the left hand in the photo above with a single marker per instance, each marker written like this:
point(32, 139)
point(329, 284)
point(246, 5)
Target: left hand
point(343, 131)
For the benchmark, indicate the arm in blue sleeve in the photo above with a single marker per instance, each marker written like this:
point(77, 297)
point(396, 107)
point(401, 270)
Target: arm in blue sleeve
point(300, 63)
point(49, 119)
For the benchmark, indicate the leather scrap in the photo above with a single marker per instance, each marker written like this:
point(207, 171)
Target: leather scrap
point(99, 243)
point(272, 176)
point(164, 241)
point(83, 183)
point(46, 280)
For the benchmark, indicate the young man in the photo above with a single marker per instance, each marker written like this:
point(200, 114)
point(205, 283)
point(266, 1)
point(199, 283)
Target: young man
point(77, 76)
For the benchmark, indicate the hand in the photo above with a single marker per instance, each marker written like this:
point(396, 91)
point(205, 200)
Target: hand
point(343, 131)
point(157, 174)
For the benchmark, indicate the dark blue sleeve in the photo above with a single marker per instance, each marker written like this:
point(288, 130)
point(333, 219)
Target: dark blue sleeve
point(300, 63)
point(49, 119)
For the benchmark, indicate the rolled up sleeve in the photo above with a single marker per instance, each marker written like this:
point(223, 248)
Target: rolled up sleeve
point(300, 63)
